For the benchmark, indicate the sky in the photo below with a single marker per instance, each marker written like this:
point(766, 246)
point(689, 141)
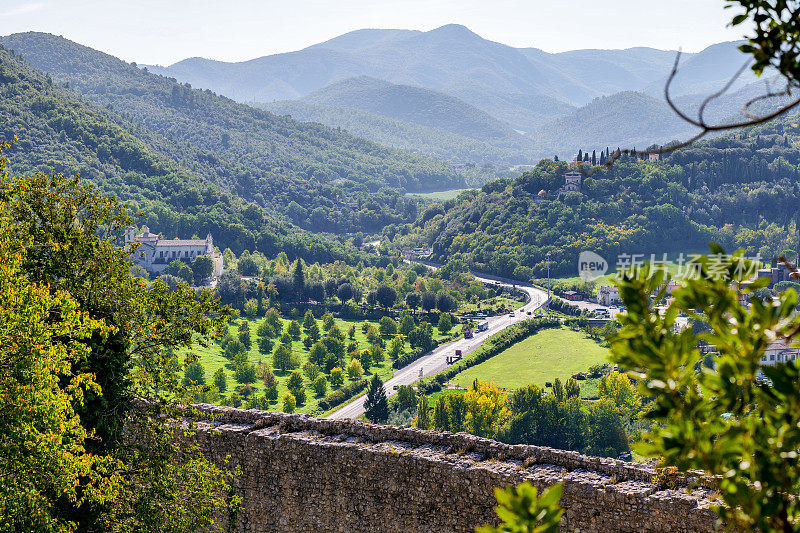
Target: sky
point(166, 31)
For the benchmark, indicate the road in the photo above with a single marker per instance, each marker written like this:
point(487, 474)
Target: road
point(436, 361)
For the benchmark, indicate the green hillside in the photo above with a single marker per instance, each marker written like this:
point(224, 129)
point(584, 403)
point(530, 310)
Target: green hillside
point(265, 158)
point(740, 190)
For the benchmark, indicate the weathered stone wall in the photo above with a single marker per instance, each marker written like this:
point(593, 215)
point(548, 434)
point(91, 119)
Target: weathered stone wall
point(306, 474)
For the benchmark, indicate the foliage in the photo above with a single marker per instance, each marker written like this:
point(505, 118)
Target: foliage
point(289, 403)
point(723, 419)
point(522, 510)
point(376, 404)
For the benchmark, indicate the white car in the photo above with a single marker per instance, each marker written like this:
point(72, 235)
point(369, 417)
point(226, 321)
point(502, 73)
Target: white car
point(511, 314)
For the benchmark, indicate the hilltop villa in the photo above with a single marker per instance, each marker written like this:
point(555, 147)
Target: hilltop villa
point(572, 183)
point(155, 253)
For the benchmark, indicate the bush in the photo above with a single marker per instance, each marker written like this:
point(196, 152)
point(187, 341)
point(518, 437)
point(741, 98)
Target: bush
point(289, 403)
point(343, 394)
point(320, 386)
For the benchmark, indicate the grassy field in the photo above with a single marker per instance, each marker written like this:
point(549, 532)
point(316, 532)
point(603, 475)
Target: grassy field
point(549, 354)
point(439, 195)
point(212, 360)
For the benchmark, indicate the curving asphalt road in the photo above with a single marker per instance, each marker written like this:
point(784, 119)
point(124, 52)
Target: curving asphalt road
point(436, 361)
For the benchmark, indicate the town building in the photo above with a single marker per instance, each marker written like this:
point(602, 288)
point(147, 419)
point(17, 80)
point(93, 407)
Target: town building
point(572, 182)
point(155, 253)
point(608, 295)
point(779, 352)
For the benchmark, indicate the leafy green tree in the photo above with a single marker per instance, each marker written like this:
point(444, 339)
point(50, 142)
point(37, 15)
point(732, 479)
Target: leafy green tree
point(328, 321)
point(270, 386)
point(265, 345)
point(295, 381)
point(247, 265)
point(194, 374)
point(289, 403)
point(754, 426)
point(273, 318)
point(202, 268)
point(522, 510)
point(413, 300)
point(445, 323)
point(294, 329)
point(265, 329)
point(354, 370)
point(406, 398)
point(320, 386)
point(311, 370)
point(245, 373)
point(62, 235)
point(281, 357)
point(318, 354)
point(423, 417)
point(617, 388)
point(441, 414)
point(376, 404)
point(337, 377)
point(606, 435)
point(221, 380)
point(309, 321)
point(558, 390)
point(385, 296)
point(457, 407)
point(387, 326)
point(244, 335)
point(407, 324)
point(251, 308)
point(396, 347)
point(180, 270)
point(572, 389)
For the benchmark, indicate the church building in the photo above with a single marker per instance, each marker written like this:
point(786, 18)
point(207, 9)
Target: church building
point(155, 253)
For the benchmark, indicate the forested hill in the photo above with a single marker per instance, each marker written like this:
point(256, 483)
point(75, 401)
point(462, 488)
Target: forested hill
point(251, 150)
point(58, 131)
point(740, 190)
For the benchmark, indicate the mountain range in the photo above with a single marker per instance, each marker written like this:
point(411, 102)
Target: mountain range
point(519, 104)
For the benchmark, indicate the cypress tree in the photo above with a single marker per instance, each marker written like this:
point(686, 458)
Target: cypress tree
point(376, 404)
point(580, 155)
point(594, 158)
point(299, 279)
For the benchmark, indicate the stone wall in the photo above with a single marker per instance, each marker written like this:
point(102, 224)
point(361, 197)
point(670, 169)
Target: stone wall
point(305, 474)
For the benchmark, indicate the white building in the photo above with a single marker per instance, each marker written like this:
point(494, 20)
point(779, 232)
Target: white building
point(779, 352)
point(607, 295)
point(572, 182)
point(155, 253)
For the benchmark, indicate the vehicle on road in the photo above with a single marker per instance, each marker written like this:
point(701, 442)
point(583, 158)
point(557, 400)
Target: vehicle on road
point(529, 312)
point(511, 314)
point(468, 334)
point(601, 313)
point(395, 387)
point(483, 326)
point(455, 357)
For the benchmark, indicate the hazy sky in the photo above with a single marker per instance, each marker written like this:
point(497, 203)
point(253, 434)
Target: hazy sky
point(165, 31)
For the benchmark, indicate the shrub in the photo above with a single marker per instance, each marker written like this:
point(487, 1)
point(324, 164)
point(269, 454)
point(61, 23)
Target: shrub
point(343, 394)
point(320, 386)
point(289, 403)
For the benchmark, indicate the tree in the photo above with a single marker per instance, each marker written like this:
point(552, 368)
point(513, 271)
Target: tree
point(441, 414)
point(406, 398)
point(309, 322)
point(202, 268)
point(311, 370)
point(396, 347)
point(245, 373)
point(558, 390)
point(354, 370)
point(281, 357)
point(413, 300)
point(295, 381)
point(522, 510)
point(572, 389)
point(221, 380)
point(423, 417)
point(251, 308)
point(407, 324)
point(605, 432)
point(318, 354)
point(617, 388)
point(376, 404)
point(320, 386)
point(180, 270)
point(299, 280)
point(385, 296)
point(328, 321)
point(428, 301)
point(422, 337)
point(273, 318)
point(289, 402)
point(265, 345)
point(244, 334)
point(194, 374)
point(752, 425)
point(233, 348)
point(270, 386)
point(337, 377)
point(445, 302)
point(445, 323)
point(294, 329)
point(387, 326)
point(61, 237)
point(247, 265)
